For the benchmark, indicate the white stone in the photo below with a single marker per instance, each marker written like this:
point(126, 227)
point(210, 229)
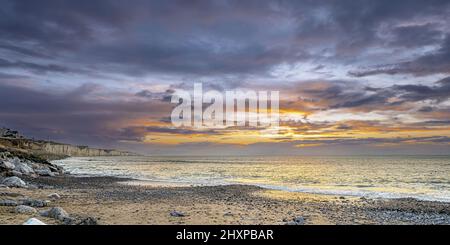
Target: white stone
point(34, 221)
point(54, 196)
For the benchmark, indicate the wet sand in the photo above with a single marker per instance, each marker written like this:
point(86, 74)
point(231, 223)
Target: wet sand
point(111, 201)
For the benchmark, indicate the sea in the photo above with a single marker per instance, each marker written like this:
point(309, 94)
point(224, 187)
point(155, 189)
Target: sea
point(420, 177)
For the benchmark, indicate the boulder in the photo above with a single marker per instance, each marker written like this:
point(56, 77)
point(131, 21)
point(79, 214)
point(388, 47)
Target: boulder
point(84, 221)
point(290, 223)
point(15, 173)
point(22, 209)
point(299, 220)
point(88, 221)
point(177, 214)
point(8, 203)
point(34, 221)
point(24, 168)
point(14, 182)
point(44, 172)
point(296, 221)
point(7, 165)
point(56, 213)
point(11, 194)
point(35, 203)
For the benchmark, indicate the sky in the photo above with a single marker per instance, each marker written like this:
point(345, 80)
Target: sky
point(355, 77)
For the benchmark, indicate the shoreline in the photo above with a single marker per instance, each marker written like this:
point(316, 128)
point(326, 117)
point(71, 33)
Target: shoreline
point(109, 201)
point(155, 183)
point(374, 191)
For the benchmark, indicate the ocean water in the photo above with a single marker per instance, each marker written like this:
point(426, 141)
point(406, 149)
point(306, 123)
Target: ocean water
point(421, 177)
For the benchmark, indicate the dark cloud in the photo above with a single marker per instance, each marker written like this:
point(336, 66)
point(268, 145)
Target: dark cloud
point(208, 37)
point(439, 92)
point(34, 67)
point(163, 96)
point(431, 63)
point(74, 116)
point(426, 109)
point(371, 141)
point(335, 94)
point(138, 133)
point(446, 122)
point(23, 51)
point(413, 36)
point(160, 36)
point(48, 45)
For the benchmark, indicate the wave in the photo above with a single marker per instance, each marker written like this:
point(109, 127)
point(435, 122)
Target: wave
point(379, 178)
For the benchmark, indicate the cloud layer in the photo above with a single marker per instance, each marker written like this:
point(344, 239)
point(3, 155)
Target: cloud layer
point(102, 72)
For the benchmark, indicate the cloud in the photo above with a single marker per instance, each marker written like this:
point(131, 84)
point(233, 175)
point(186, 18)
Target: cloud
point(75, 116)
point(34, 67)
point(439, 92)
point(431, 63)
point(413, 36)
point(83, 71)
point(340, 94)
point(335, 94)
point(205, 38)
point(375, 141)
point(165, 96)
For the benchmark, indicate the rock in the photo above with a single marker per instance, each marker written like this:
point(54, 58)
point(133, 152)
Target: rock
point(14, 182)
point(4, 186)
point(341, 197)
point(34, 221)
point(24, 168)
point(7, 165)
point(296, 221)
point(177, 214)
point(68, 221)
point(35, 203)
point(290, 223)
point(32, 187)
point(11, 194)
point(44, 172)
point(54, 196)
point(56, 213)
point(8, 203)
point(88, 221)
point(22, 209)
point(299, 220)
point(228, 214)
point(56, 169)
point(16, 173)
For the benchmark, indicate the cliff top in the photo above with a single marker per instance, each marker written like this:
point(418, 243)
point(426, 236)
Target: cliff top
point(12, 140)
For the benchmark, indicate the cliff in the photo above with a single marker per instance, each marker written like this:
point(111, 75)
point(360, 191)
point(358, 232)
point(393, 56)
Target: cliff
point(70, 150)
point(52, 150)
point(27, 158)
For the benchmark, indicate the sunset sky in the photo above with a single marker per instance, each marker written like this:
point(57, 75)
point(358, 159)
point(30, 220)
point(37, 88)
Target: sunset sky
point(355, 77)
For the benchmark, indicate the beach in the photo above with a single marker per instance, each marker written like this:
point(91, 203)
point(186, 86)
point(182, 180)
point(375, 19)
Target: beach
point(111, 201)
